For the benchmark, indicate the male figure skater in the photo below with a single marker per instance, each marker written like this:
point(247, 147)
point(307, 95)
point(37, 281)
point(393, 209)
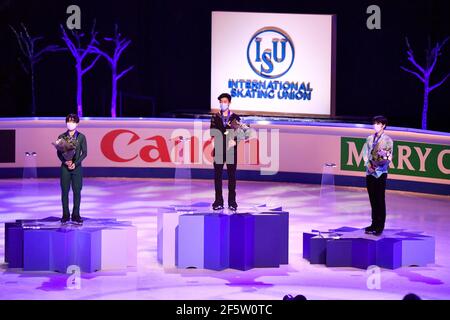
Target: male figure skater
point(377, 157)
point(71, 170)
point(225, 150)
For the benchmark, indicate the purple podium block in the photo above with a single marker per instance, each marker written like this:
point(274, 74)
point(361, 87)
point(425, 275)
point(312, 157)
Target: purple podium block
point(81, 248)
point(190, 241)
point(14, 244)
point(389, 253)
point(281, 228)
point(242, 241)
point(364, 253)
point(307, 236)
point(63, 249)
point(353, 248)
point(37, 249)
point(339, 253)
point(418, 251)
point(217, 241)
point(251, 238)
point(89, 243)
point(318, 250)
point(46, 245)
point(268, 239)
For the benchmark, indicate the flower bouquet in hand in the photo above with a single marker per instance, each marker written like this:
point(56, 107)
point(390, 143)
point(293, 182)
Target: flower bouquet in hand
point(241, 130)
point(380, 156)
point(67, 146)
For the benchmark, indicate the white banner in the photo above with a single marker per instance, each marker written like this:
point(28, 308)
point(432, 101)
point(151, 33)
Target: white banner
point(273, 63)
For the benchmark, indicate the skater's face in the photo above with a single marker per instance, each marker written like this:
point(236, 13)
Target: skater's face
point(378, 126)
point(224, 104)
point(71, 124)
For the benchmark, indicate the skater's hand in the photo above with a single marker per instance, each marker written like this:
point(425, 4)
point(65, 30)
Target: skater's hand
point(68, 163)
point(72, 166)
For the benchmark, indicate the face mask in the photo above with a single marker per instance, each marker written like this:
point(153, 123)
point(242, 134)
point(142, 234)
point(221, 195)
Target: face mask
point(71, 126)
point(224, 106)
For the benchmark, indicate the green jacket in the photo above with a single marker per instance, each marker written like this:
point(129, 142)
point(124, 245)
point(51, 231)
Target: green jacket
point(80, 152)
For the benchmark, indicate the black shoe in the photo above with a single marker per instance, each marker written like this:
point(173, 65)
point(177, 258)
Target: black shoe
point(217, 206)
point(233, 206)
point(64, 220)
point(377, 232)
point(369, 229)
point(77, 220)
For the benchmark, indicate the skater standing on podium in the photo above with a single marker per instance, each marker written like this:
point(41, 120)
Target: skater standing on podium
point(71, 150)
point(377, 154)
point(225, 150)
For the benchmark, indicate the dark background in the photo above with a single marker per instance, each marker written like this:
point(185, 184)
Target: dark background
point(171, 53)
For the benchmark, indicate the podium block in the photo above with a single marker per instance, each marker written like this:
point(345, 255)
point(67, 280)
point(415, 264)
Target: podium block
point(281, 228)
point(64, 251)
point(37, 250)
point(217, 241)
point(418, 251)
point(389, 253)
point(208, 239)
point(14, 245)
point(131, 245)
point(89, 245)
point(114, 247)
point(339, 253)
point(167, 224)
point(268, 240)
point(191, 241)
point(242, 241)
point(351, 247)
point(307, 236)
point(364, 253)
point(318, 250)
point(46, 245)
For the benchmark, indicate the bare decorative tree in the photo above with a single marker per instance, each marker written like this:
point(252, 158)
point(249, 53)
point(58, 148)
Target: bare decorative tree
point(424, 73)
point(120, 44)
point(31, 57)
point(80, 54)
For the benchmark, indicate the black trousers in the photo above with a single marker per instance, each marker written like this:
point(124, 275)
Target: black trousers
point(376, 188)
point(72, 178)
point(231, 170)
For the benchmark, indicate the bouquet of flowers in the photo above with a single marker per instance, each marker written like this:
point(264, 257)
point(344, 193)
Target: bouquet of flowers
point(380, 156)
point(67, 146)
point(241, 130)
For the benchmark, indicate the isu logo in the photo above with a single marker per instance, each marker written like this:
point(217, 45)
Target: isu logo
point(270, 52)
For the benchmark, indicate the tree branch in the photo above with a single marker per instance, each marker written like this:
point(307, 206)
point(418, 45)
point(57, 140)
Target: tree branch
point(412, 59)
point(19, 40)
point(69, 43)
point(96, 50)
point(124, 72)
point(120, 49)
point(50, 48)
point(440, 82)
point(414, 73)
point(437, 52)
point(91, 65)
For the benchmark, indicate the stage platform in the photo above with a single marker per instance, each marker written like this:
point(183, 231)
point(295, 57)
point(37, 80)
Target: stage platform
point(47, 245)
point(199, 237)
point(138, 200)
